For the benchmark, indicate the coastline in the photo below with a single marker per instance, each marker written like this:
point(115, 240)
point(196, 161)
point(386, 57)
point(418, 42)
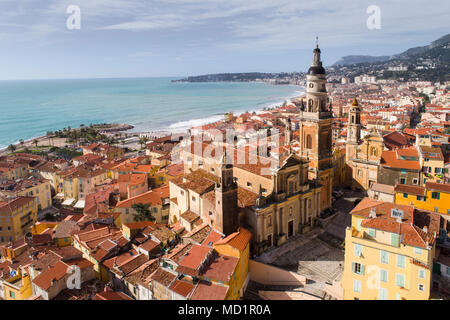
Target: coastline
point(175, 127)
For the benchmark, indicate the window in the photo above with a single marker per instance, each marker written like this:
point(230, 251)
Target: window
point(448, 271)
point(182, 192)
point(358, 250)
point(357, 286)
point(437, 170)
point(384, 257)
point(249, 184)
point(421, 287)
point(383, 275)
point(417, 250)
point(415, 181)
point(193, 199)
point(372, 232)
point(395, 239)
point(405, 195)
point(402, 180)
point(358, 225)
point(400, 261)
point(358, 268)
point(422, 274)
point(403, 171)
point(435, 195)
point(400, 280)
point(269, 220)
point(308, 141)
point(12, 294)
point(382, 294)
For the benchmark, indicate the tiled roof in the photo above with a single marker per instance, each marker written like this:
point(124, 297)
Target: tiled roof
point(182, 287)
point(221, 268)
point(438, 187)
point(195, 257)
point(209, 291)
point(238, 240)
point(163, 277)
point(410, 189)
point(111, 295)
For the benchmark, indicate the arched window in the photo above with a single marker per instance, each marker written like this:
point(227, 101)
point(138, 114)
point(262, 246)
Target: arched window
point(373, 151)
point(308, 142)
point(310, 105)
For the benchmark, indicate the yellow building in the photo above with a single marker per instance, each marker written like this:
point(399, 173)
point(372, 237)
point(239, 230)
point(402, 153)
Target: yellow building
point(389, 251)
point(18, 215)
point(12, 169)
point(18, 285)
point(33, 186)
point(432, 163)
point(433, 197)
point(237, 245)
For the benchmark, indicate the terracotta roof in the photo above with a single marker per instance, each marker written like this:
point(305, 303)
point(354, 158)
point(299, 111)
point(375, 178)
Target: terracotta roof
point(238, 240)
point(411, 227)
point(389, 159)
point(384, 188)
point(111, 295)
point(163, 277)
point(438, 187)
point(45, 279)
point(153, 197)
point(221, 268)
point(190, 216)
point(209, 291)
point(194, 258)
point(410, 189)
point(182, 287)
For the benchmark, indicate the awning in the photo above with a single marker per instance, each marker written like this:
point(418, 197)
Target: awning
point(79, 204)
point(68, 202)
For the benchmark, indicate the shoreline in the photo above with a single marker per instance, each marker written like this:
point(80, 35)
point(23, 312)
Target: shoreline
point(168, 130)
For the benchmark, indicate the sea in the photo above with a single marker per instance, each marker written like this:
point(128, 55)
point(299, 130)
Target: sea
point(30, 108)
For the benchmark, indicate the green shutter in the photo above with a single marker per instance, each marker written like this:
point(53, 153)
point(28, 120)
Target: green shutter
point(353, 267)
point(394, 239)
point(362, 270)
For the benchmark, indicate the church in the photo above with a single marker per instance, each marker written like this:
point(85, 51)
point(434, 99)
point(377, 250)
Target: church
point(277, 196)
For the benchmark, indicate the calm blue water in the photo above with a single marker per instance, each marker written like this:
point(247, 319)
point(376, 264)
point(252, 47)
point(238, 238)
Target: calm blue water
point(31, 108)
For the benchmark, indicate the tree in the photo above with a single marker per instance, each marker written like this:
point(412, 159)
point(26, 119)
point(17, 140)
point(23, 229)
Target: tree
point(143, 141)
point(142, 212)
point(21, 142)
point(35, 142)
point(12, 148)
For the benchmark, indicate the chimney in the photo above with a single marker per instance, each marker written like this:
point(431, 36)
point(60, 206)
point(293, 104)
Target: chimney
point(425, 228)
point(373, 213)
point(399, 219)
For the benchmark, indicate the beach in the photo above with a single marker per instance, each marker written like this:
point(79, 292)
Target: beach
point(32, 108)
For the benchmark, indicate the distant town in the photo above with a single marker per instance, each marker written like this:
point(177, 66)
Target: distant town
point(304, 201)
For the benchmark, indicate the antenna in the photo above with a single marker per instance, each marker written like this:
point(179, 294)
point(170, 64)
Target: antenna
point(317, 42)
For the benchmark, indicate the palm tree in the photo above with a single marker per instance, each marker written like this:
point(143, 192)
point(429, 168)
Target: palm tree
point(12, 148)
point(142, 212)
point(143, 141)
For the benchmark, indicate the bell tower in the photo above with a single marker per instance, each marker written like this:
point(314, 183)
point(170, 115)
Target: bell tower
point(226, 194)
point(316, 128)
point(353, 130)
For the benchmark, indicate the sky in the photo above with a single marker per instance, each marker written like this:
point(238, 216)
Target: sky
point(177, 38)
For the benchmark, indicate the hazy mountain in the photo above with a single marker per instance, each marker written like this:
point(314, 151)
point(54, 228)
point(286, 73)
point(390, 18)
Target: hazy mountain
point(355, 59)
